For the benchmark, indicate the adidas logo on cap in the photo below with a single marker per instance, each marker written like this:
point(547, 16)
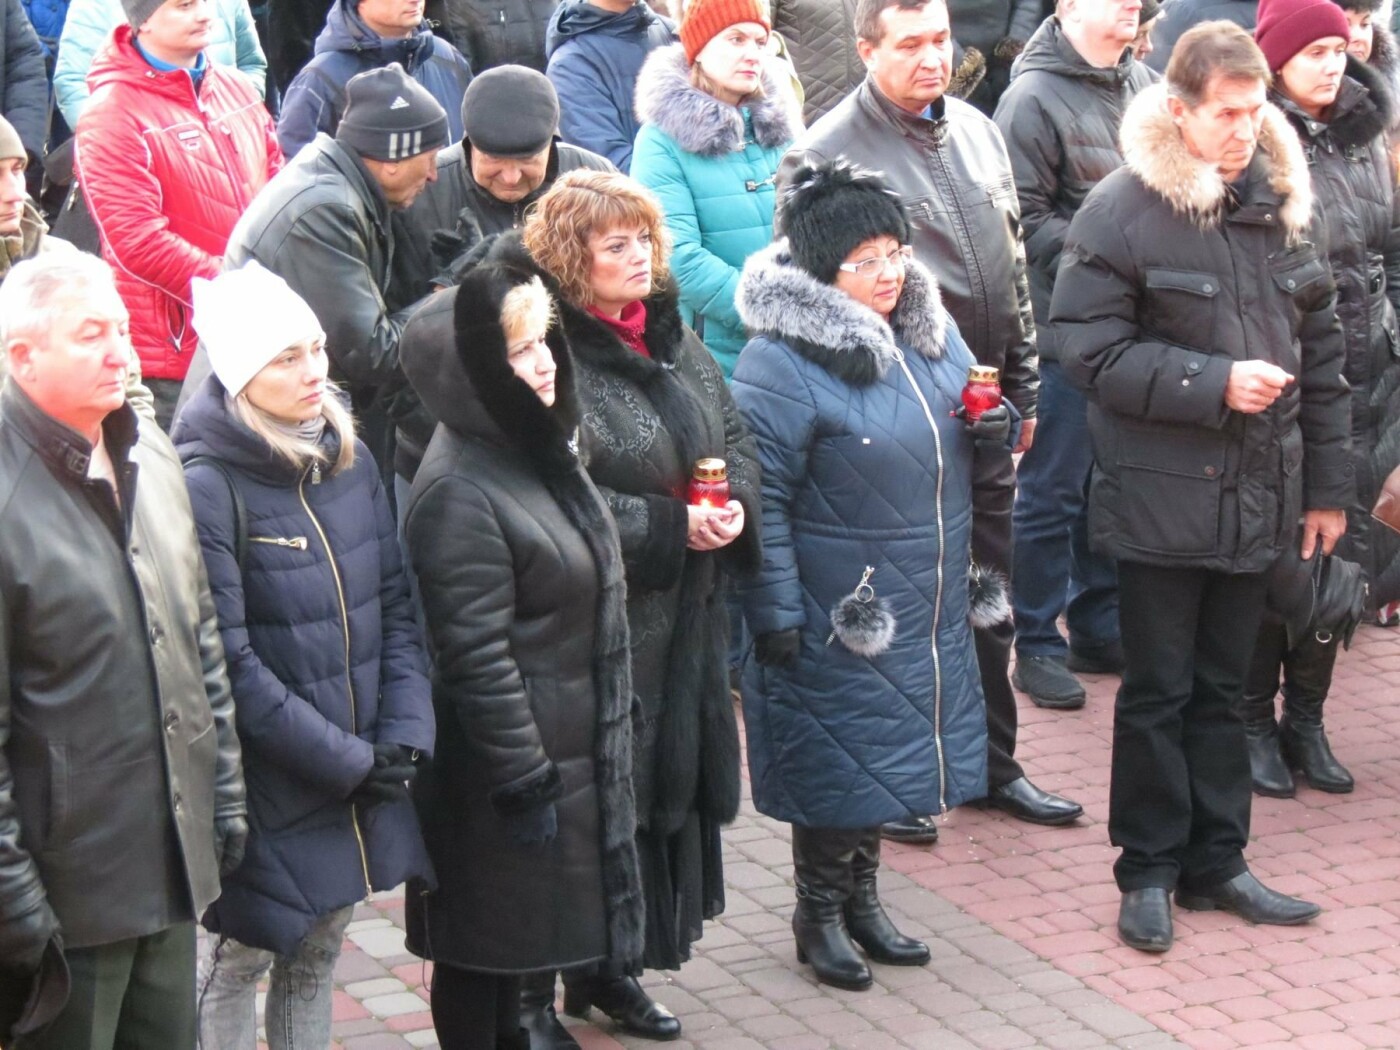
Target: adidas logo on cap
point(399, 103)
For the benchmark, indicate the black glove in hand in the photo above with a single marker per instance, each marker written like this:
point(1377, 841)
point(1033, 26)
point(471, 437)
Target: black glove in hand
point(230, 836)
point(991, 429)
point(388, 777)
point(534, 827)
point(446, 245)
point(23, 940)
point(778, 648)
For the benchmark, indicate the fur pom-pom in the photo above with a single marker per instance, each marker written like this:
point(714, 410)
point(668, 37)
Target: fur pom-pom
point(988, 602)
point(862, 621)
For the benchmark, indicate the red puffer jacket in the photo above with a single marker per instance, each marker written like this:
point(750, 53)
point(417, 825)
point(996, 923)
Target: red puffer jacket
point(167, 171)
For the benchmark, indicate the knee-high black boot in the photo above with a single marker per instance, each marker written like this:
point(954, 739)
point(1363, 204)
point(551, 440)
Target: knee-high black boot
point(866, 920)
point(1307, 678)
point(822, 867)
point(537, 1014)
point(1267, 770)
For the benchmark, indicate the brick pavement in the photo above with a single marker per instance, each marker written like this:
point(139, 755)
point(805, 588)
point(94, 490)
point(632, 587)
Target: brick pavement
point(1020, 920)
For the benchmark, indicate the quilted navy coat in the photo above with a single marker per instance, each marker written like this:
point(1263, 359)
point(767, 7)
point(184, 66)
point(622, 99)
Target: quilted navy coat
point(863, 466)
point(325, 659)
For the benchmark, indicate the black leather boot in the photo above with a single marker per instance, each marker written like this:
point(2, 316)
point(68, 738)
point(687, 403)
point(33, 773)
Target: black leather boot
point(1307, 680)
point(625, 1001)
point(821, 863)
point(1268, 772)
point(537, 1014)
point(866, 920)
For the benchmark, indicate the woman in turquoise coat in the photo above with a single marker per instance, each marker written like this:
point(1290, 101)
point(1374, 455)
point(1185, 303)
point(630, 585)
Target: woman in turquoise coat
point(716, 121)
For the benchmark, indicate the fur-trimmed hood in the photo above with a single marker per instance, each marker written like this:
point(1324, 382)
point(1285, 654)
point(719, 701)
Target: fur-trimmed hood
point(825, 325)
point(1365, 108)
point(1155, 152)
point(701, 123)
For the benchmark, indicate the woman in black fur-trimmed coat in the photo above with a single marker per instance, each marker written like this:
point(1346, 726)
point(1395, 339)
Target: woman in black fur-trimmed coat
point(527, 807)
point(654, 402)
point(1353, 183)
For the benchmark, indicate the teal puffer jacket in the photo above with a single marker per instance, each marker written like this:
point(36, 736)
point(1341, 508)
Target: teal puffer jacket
point(712, 165)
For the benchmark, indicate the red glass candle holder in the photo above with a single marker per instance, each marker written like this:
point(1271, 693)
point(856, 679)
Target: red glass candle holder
point(709, 484)
point(983, 391)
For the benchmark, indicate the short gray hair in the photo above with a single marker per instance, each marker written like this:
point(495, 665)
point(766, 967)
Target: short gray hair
point(33, 291)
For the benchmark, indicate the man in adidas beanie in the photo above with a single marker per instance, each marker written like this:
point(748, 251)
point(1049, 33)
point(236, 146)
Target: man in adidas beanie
point(325, 225)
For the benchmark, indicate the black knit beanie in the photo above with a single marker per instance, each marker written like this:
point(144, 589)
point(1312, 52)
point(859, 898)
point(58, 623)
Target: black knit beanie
point(389, 116)
point(830, 209)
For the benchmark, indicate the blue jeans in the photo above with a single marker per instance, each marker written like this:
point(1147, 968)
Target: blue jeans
point(1053, 570)
point(297, 1015)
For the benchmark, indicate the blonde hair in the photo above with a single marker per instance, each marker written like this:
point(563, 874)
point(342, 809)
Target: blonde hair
point(700, 80)
point(579, 205)
point(299, 452)
point(525, 306)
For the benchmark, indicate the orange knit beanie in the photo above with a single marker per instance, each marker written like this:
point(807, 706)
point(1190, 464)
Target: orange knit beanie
point(706, 19)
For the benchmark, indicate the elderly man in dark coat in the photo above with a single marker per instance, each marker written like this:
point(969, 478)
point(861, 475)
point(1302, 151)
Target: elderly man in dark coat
point(1196, 314)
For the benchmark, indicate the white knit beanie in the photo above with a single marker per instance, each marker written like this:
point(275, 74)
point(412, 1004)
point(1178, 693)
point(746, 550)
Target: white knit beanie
point(245, 318)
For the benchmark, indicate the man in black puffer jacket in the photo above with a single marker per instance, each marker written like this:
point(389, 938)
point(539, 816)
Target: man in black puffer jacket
point(495, 32)
point(1194, 311)
point(1060, 119)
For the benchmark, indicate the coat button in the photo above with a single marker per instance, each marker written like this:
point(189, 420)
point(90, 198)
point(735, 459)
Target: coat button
point(179, 803)
point(156, 634)
point(1207, 288)
point(1186, 382)
point(1210, 472)
point(1292, 284)
point(171, 721)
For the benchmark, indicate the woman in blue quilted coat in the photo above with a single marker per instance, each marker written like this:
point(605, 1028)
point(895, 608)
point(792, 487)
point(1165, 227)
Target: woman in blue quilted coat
point(863, 703)
point(716, 121)
point(324, 655)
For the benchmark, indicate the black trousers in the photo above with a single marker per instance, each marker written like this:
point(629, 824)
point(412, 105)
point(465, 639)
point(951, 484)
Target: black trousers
point(475, 1011)
point(1180, 790)
point(993, 494)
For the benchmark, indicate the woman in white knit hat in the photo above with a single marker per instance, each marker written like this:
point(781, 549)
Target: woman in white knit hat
point(324, 655)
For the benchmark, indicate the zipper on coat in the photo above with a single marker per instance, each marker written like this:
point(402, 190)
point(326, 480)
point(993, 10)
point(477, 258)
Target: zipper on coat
point(938, 590)
point(297, 543)
point(315, 473)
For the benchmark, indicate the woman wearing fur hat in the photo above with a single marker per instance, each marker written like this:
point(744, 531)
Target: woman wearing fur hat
point(528, 808)
point(864, 702)
point(324, 656)
point(1340, 108)
point(653, 404)
point(717, 120)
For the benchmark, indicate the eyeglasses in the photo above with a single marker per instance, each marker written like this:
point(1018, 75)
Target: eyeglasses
point(876, 266)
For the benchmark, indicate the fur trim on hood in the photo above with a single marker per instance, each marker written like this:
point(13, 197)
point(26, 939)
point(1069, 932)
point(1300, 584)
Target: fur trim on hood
point(825, 325)
point(1155, 152)
point(701, 123)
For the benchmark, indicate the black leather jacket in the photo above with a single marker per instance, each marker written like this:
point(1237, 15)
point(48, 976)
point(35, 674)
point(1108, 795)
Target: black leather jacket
point(117, 743)
point(955, 179)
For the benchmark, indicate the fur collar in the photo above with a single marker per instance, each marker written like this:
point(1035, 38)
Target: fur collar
point(1154, 151)
point(1363, 110)
point(701, 123)
point(828, 327)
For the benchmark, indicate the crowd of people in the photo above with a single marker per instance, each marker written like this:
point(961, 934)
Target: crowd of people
point(549, 386)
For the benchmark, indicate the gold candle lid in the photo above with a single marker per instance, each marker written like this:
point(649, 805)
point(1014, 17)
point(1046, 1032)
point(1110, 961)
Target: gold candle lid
point(713, 469)
point(983, 374)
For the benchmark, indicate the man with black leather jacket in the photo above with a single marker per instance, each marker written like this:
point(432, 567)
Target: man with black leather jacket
point(949, 164)
point(121, 788)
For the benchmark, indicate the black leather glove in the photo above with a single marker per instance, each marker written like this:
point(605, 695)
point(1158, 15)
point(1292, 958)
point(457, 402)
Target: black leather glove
point(991, 429)
point(534, 827)
point(388, 778)
point(778, 648)
point(446, 245)
point(230, 836)
point(23, 940)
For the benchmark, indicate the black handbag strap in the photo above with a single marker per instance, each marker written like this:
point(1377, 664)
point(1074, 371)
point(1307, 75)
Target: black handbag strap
point(240, 510)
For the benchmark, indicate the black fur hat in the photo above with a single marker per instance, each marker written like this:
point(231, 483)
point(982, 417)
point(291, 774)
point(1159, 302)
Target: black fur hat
point(831, 208)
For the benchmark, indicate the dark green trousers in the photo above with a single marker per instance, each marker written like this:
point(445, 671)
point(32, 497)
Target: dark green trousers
point(136, 994)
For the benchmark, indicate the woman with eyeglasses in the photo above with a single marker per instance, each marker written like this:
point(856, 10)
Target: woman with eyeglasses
point(716, 120)
point(863, 703)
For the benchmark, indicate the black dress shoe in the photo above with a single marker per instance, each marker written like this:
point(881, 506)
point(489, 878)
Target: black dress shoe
point(1024, 801)
point(916, 831)
point(1098, 659)
point(622, 999)
point(1251, 900)
point(1048, 683)
point(1145, 919)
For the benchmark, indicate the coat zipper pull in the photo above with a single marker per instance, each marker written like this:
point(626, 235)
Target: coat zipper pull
point(316, 472)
